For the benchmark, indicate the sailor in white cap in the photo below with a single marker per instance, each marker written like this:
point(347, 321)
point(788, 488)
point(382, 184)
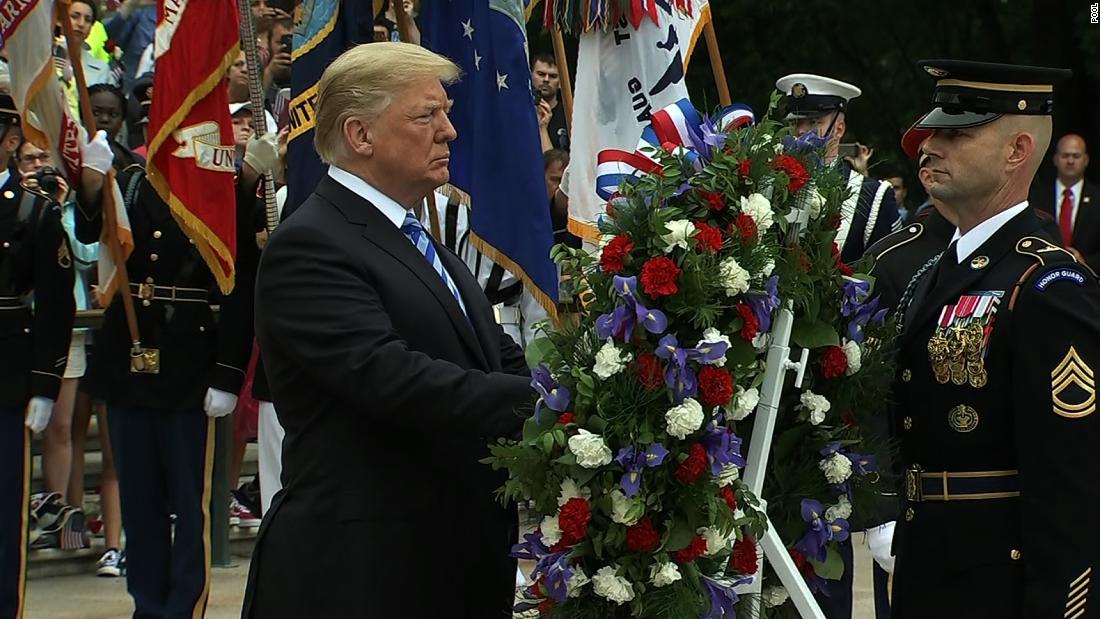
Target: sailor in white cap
point(819, 104)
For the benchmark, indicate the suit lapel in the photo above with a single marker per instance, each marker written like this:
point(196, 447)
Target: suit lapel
point(1086, 223)
point(953, 279)
point(476, 304)
point(380, 231)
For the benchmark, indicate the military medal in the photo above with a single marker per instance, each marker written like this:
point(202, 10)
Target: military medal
point(958, 346)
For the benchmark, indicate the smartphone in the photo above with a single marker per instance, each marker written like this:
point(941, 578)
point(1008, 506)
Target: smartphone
point(848, 150)
point(287, 41)
point(282, 107)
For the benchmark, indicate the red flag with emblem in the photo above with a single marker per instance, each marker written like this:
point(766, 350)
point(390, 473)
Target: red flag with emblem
point(191, 150)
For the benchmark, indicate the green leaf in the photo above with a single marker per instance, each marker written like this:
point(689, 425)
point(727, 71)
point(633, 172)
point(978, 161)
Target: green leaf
point(740, 352)
point(833, 566)
point(597, 424)
point(680, 535)
point(538, 350)
point(532, 429)
point(546, 442)
point(814, 334)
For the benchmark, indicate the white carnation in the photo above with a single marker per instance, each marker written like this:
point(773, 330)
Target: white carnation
point(570, 490)
point(837, 468)
point(610, 361)
point(576, 581)
point(712, 336)
point(716, 542)
point(663, 574)
point(620, 507)
point(729, 474)
point(774, 596)
point(761, 341)
point(551, 532)
point(842, 509)
point(611, 587)
point(733, 277)
point(814, 202)
point(817, 405)
point(590, 449)
point(679, 232)
point(684, 419)
point(745, 402)
point(854, 355)
point(760, 209)
point(769, 266)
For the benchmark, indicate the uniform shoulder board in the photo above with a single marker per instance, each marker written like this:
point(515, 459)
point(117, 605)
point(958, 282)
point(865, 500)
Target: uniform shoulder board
point(894, 240)
point(1052, 264)
point(1044, 252)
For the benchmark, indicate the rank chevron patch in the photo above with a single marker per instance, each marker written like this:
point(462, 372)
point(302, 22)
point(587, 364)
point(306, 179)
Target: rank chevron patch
point(1073, 371)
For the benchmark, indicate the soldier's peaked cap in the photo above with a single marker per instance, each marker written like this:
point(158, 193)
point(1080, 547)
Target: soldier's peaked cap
point(8, 114)
point(808, 96)
point(970, 94)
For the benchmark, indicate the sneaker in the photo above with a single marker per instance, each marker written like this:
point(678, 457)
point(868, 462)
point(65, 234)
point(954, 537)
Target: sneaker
point(57, 525)
point(241, 515)
point(110, 564)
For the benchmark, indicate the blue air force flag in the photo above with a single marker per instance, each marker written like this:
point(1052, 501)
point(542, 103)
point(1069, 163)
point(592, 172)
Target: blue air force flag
point(496, 162)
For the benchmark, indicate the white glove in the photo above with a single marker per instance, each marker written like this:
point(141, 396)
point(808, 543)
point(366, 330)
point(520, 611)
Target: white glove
point(879, 540)
point(261, 152)
point(97, 154)
point(219, 403)
point(39, 410)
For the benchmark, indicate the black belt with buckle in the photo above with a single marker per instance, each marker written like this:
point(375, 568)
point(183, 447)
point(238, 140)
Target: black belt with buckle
point(921, 485)
point(149, 292)
point(12, 303)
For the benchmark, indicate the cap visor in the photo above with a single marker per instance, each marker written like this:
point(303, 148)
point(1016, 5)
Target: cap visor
point(939, 119)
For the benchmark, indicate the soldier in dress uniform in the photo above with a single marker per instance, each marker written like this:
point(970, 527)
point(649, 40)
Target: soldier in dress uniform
point(996, 387)
point(817, 103)
point(35, 259)
point(161, 404)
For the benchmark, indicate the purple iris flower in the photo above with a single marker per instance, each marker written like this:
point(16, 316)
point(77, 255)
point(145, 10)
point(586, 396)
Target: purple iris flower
point(634, 461)
point(551, 565)
point(809, 141)
point(678, 376)
point(620, 323)
point(817, 533)
point(763, 304)
point(708, 352)
point(723, 600)
point(855, 293)
point(722, 445)
point(553, 395)
point(868, 313)
point(863, 464)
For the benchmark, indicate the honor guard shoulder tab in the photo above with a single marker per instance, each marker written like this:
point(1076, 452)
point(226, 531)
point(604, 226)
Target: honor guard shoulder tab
point(895, 240)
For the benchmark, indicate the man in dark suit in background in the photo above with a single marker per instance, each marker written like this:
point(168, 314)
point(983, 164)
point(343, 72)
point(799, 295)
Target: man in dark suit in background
point(386, 369)
point(1072, 200)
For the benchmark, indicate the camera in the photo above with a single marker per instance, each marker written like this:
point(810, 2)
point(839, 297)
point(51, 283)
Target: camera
point(287, 41)
point(47, 180)
point(848, 150)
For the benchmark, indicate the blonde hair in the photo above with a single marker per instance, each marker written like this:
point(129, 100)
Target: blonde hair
point(362, 82)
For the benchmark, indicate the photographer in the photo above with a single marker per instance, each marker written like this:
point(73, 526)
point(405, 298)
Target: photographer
point(545, 82)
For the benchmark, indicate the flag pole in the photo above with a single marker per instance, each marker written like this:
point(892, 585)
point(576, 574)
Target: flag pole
point(256, 104)
point(428, 204)
point(563, 73)
point(107, 196)
point(716, 62)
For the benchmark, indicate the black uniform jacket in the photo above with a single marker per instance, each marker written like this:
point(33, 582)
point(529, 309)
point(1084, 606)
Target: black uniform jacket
point(996, 417)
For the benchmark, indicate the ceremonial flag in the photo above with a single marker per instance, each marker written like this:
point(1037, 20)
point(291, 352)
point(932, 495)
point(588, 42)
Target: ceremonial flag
point(496, 162)
point(26, 27)
point(191, 150)
point(624, 76)
point(323, 30)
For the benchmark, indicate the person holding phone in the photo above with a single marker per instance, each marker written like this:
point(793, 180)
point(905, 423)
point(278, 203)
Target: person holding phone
point(280, 40)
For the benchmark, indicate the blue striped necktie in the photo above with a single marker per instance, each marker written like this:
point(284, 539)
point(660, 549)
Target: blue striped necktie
point(412, 229)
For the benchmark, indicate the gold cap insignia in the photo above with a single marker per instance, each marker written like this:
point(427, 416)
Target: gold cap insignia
point(935, 71)
point(1073, 371)
point(963, 418)
point(979, 262)
point(1022, 105)
point(799, 90)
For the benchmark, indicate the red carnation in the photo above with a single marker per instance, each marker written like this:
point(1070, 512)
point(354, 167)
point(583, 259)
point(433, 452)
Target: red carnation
point(714, 199)
point(573, 520)
point(546, 606)
point(796, 172)
point(715, 386)
point(747, 227)
point(707, 238)
point(744, 560)
point(804, 566)
point(750, 326)
point(834, 362)
point(565, 418)
point(659, 277)
point(744, 168)
point(690, 470)
point(844, 268)
point(614, 253)
point(649, 371)
point(693, 551)
point(729, 497)
point(643, 537)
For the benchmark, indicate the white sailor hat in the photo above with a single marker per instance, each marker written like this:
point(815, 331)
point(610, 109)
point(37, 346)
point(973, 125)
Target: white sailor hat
point(808, 96)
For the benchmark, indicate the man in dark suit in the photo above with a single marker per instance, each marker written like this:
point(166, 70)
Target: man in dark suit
point(386, 369)
point(1072, 200)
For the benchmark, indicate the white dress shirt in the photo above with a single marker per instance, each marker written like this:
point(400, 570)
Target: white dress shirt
point(970, 242)
point(389, 207)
